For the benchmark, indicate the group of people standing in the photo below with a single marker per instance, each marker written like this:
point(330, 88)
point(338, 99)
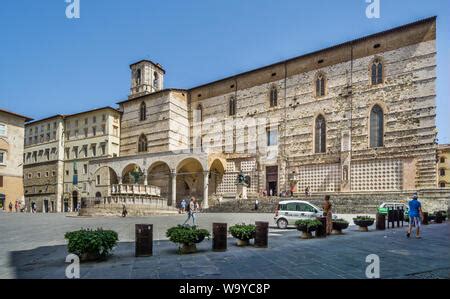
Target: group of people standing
point(415, 215)
point(18, 207)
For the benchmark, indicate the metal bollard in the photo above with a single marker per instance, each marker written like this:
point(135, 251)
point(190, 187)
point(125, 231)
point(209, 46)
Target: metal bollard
point(144, 239)
point(262, 234)
point(439, 217)
point(391, 217)
point(219, 237)
point(425, 218)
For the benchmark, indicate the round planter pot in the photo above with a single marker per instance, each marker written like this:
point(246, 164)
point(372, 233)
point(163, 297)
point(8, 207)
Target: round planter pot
point(339, 226)
point(363, 229)
point(240, 242)
point(363, 224)
point(336, 232)
point(306, 235)
point(89, 257)
point(200, 239)
point(188, 248)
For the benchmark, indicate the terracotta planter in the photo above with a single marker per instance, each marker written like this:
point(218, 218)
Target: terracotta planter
point(240, 242)
point(305, 235)
point(188, 248)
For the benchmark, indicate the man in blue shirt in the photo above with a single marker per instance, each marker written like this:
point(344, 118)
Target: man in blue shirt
point(415, 215)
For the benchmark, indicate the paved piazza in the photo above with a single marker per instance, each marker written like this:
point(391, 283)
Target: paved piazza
point(33, 246)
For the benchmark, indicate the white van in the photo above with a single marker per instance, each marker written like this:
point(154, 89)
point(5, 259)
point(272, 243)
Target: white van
point(289, 211)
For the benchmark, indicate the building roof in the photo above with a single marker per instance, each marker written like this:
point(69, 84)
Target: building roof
point(153, 93)
point(44, 119)
point(443, 146)
point(17, 115)
point(70, 115)
point(151, 62)
point(345, 44)
point(92, 110)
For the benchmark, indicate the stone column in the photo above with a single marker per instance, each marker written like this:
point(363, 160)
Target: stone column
point(173, 177)
point(145, 179)
point(205, 189)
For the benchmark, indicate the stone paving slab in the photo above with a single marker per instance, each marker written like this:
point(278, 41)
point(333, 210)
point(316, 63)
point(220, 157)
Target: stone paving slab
point(286, 257)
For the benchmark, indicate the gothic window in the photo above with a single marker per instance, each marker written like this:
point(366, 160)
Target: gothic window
point(377, 72)
point(142, 144)
point(320, 85)
point(199, 113)
point(138, 77)
point(232, 106)
point(155, 80)
point(143, 112)
point(273, 96)
point(320, 135)
point(376, 126)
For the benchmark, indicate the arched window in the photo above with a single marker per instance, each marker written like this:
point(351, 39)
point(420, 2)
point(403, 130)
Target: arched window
point(273, 96)
point(442, 172)
point(320, 135)
point(376, 126)
point(138, 77)
point(199, 113)
point(442, 184)
point(155, 80)
point(377, 72)
point(143, 112)
point(320, 85)
point(142, 144)
point(232, 106)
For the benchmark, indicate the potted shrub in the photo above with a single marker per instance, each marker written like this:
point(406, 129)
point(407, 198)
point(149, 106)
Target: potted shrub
point(91, 245)
point(363, 222)
point(187, 237)
point(307, 226)
point(243, 233)
point(339, 225)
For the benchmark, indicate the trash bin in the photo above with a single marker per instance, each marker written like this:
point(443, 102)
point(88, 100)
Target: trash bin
point(381, 221)
point(144, 239)
point(321, 231)
point(219, 237)
point(262, 234)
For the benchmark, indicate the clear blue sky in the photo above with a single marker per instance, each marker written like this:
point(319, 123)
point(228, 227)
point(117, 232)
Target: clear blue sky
point(50, 64)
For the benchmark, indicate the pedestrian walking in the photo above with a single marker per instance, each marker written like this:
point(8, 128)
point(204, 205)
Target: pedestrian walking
point(256, 204)
point(10, 206)
point(415, 215)
point(307, 191)
point(192, 210)
point(328, 214)
point(124, 211)
point(16, 206)
point(183, 205)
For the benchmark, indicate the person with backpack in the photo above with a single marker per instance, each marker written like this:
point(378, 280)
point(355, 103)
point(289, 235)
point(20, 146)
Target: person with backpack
point(191, 209)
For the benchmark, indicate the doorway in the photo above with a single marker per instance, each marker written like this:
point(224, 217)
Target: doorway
point(45, 205)
point(272, 180)
point(74, 200)
point(66, 205)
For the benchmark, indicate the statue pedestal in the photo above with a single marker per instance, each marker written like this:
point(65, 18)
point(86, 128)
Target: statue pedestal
point(241, 192)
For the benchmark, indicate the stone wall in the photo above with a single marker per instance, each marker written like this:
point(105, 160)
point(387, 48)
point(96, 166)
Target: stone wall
point(350, 203)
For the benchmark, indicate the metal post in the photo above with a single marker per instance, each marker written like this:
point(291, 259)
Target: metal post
point(219, 237)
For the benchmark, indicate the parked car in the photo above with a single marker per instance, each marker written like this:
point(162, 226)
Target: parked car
point(289, 211)
point(385, 206)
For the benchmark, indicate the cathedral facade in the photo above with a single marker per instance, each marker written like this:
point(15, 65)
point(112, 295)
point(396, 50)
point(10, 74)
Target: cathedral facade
point(355, 117)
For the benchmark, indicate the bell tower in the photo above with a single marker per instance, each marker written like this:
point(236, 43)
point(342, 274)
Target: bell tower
point(146, 77)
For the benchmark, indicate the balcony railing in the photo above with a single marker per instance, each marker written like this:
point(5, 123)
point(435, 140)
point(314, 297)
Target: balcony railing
point(123, 189)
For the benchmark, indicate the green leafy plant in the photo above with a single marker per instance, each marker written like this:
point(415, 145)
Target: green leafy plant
point(243, 231)
point(340, 224)
point(187, 234)
point(363, 218)
point(308, 225)
point(91, 244)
